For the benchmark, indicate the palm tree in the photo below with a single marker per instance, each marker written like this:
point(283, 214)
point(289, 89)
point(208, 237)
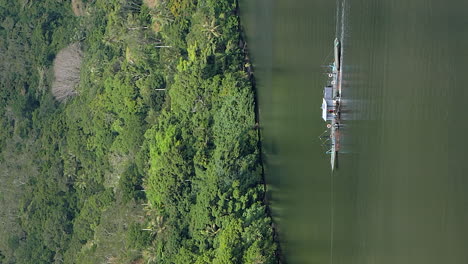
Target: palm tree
point(211, 29)
point(150, 255)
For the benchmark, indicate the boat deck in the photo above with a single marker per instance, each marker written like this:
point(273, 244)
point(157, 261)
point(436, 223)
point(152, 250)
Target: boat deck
point(335, 123)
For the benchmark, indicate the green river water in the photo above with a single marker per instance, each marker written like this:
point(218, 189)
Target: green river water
point(400, 194)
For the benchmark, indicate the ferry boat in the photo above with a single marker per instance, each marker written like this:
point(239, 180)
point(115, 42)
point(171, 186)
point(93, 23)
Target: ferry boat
point(331, 105)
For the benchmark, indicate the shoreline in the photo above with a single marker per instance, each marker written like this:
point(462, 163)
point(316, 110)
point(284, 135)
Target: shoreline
point(249, 68)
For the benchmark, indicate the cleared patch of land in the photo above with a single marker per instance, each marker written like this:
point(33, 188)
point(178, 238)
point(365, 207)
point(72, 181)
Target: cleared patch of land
point(78, 7)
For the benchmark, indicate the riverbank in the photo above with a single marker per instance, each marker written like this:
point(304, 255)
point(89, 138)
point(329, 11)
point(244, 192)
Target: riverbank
point(249, 65)
point(157, 157)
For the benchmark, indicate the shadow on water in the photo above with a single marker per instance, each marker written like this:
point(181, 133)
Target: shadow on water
point(286, 56)
point(399, 193)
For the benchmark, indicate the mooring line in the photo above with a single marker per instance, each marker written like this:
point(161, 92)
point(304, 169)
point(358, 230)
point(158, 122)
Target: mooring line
point(332, 216)
point(340, 34)
point(337, 27)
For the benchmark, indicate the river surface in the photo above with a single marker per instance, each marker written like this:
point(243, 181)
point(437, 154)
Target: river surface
point(400, 194)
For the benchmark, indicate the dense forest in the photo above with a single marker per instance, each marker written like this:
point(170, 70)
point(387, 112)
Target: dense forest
point(128, 135)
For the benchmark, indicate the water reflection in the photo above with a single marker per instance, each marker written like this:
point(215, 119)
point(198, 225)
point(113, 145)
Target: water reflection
point(399, 195)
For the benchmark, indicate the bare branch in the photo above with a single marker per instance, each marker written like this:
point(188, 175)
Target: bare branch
point(67, 72)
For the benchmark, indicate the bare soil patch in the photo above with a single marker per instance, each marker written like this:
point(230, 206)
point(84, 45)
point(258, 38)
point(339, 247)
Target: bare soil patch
point(78, 7)
point(151, 3)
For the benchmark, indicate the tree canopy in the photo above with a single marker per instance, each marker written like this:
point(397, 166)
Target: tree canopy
point(154, 158)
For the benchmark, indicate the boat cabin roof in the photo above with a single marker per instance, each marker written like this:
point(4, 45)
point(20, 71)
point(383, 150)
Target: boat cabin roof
point(328, 93)
point(327, 102)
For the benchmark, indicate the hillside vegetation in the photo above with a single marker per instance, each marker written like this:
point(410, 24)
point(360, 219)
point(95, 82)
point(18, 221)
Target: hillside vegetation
point(152, 158)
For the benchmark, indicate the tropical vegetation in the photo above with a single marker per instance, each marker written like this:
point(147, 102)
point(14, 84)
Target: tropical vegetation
point(149, 153)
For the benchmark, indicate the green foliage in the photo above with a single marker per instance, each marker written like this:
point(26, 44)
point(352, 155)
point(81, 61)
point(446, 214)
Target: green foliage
point(88, 219)
point(130, 184)
point(13, 242)
point(138, 238)
point(110, 239)
point(204, 176)
point(164, 117)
